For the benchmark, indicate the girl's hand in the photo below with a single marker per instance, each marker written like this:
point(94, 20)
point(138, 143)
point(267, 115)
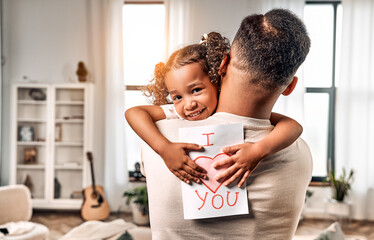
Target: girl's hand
point(180, 164)
point(244, 159)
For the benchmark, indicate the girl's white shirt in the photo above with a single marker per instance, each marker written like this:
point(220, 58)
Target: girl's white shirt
point(170, 111)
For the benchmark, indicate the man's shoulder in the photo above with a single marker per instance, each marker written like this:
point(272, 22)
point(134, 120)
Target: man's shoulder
point(297, 150)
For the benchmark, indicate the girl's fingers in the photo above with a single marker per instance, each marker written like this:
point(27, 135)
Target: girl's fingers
point(231, 149)
point(194, 173)
point(244, 178)
point(230, 171)
point(188, 176)
point(196, 167)
point(224, 162)
point(233, 177)
point(183, 179)
point(191, 146)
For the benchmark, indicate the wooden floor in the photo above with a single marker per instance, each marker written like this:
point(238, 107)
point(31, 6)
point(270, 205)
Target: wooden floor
point(60, 222)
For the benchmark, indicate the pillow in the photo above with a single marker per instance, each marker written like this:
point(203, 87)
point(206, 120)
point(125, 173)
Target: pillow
point(333, 232)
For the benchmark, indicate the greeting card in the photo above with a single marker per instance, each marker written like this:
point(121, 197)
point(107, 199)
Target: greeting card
point(211, 198)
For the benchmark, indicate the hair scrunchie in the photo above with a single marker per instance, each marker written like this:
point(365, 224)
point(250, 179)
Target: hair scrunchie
point(204, 39)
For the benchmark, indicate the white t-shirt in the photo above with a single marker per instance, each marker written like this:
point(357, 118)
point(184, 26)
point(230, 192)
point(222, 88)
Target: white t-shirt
point(276, 189)
point(170, 111)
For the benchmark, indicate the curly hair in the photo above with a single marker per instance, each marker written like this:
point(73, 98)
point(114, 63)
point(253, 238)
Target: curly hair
point(270, 47)
point(209, 54)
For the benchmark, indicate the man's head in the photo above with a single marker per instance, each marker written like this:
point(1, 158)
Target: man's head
point(270, 48)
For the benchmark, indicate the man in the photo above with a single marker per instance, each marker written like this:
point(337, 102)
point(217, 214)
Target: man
point(265, 54)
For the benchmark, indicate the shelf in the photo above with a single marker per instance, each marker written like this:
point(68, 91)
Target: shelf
point(29, 166)
point(29, 143)
point(32, 102)
point(61, 132)
point(31, 120)
point(67, 167)
point(68, 144)
point(69, 120)
point(69, 103)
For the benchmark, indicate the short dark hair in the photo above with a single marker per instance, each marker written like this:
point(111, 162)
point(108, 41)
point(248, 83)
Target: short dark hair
point(271, 47)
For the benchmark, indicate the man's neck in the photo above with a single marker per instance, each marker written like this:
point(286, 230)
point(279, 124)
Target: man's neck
point(238, 97)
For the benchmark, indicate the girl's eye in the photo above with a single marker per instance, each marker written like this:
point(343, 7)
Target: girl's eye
point(175, 98)
point(195, 90)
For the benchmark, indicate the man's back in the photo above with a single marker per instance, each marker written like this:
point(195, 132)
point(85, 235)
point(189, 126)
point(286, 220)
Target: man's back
point(276, 190)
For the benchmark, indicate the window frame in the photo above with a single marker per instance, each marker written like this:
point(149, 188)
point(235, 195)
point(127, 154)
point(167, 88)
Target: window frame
point(133, 175)
point(331, 91)
point(139, 87)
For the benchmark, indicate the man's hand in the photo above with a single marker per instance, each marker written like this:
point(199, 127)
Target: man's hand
point(180, 164)
point(243, 160)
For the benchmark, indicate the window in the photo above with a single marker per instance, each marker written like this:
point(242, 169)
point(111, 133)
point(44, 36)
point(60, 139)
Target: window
point(321, 68)
point(144, 47)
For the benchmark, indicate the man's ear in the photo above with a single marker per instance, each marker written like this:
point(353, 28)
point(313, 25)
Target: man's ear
point(290, 87)
point(223, 67)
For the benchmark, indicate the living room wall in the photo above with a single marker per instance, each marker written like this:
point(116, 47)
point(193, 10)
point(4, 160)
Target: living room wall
point(43, 42)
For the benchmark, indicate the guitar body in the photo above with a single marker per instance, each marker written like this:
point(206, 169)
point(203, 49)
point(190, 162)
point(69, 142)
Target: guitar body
point(94, 206)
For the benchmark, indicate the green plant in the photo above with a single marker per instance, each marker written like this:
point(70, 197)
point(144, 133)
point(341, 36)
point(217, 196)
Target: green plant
point(139, 196)
point(341, 185)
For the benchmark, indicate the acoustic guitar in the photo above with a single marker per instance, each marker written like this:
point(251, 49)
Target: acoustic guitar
point(95, 206)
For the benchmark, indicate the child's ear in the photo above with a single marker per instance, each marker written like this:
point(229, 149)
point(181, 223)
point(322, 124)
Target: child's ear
point(223, 67)
point(290, 87)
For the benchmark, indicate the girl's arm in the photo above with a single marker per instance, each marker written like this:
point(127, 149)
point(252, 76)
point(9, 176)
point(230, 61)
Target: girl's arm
point(245, 157)
point(141, 120)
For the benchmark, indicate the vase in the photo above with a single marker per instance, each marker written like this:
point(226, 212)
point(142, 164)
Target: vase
point(138, 217)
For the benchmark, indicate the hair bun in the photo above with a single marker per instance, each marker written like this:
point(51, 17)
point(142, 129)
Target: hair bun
point(216, 47)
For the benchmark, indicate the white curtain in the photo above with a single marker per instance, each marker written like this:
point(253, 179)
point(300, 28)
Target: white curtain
point(189, 19)
point(105, 47)
point(116, 174)
point(355, 104)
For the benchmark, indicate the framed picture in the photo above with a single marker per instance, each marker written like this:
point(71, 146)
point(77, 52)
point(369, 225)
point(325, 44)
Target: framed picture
point(26, 133)
point(30, 156)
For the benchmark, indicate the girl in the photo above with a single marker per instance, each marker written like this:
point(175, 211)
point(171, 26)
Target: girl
point(191, 78)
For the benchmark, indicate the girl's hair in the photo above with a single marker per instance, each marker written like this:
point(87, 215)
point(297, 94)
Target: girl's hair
point(209, 54)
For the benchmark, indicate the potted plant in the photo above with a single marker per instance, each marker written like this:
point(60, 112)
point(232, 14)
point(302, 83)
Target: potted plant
point(340, 189)
point(138, 197)
point(340, 186)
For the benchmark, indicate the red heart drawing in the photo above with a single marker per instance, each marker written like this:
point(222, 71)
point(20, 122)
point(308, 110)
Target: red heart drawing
point(207, 164)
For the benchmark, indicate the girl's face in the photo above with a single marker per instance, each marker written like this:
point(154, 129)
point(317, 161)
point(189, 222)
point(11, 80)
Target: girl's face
point(193, 95)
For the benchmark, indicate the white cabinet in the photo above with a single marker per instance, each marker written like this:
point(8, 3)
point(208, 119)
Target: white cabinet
point(51, 133)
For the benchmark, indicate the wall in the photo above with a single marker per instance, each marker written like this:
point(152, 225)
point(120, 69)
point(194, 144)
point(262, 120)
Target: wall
point(1, 92)
point(43, 41)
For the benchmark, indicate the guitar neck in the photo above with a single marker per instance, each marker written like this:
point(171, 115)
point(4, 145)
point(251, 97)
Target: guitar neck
point(93, 176)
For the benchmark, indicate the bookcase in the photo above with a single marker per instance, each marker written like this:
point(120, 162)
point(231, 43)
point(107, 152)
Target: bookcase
point(51, 133)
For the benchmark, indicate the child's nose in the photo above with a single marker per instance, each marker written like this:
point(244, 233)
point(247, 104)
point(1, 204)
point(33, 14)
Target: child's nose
point(191, 104)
